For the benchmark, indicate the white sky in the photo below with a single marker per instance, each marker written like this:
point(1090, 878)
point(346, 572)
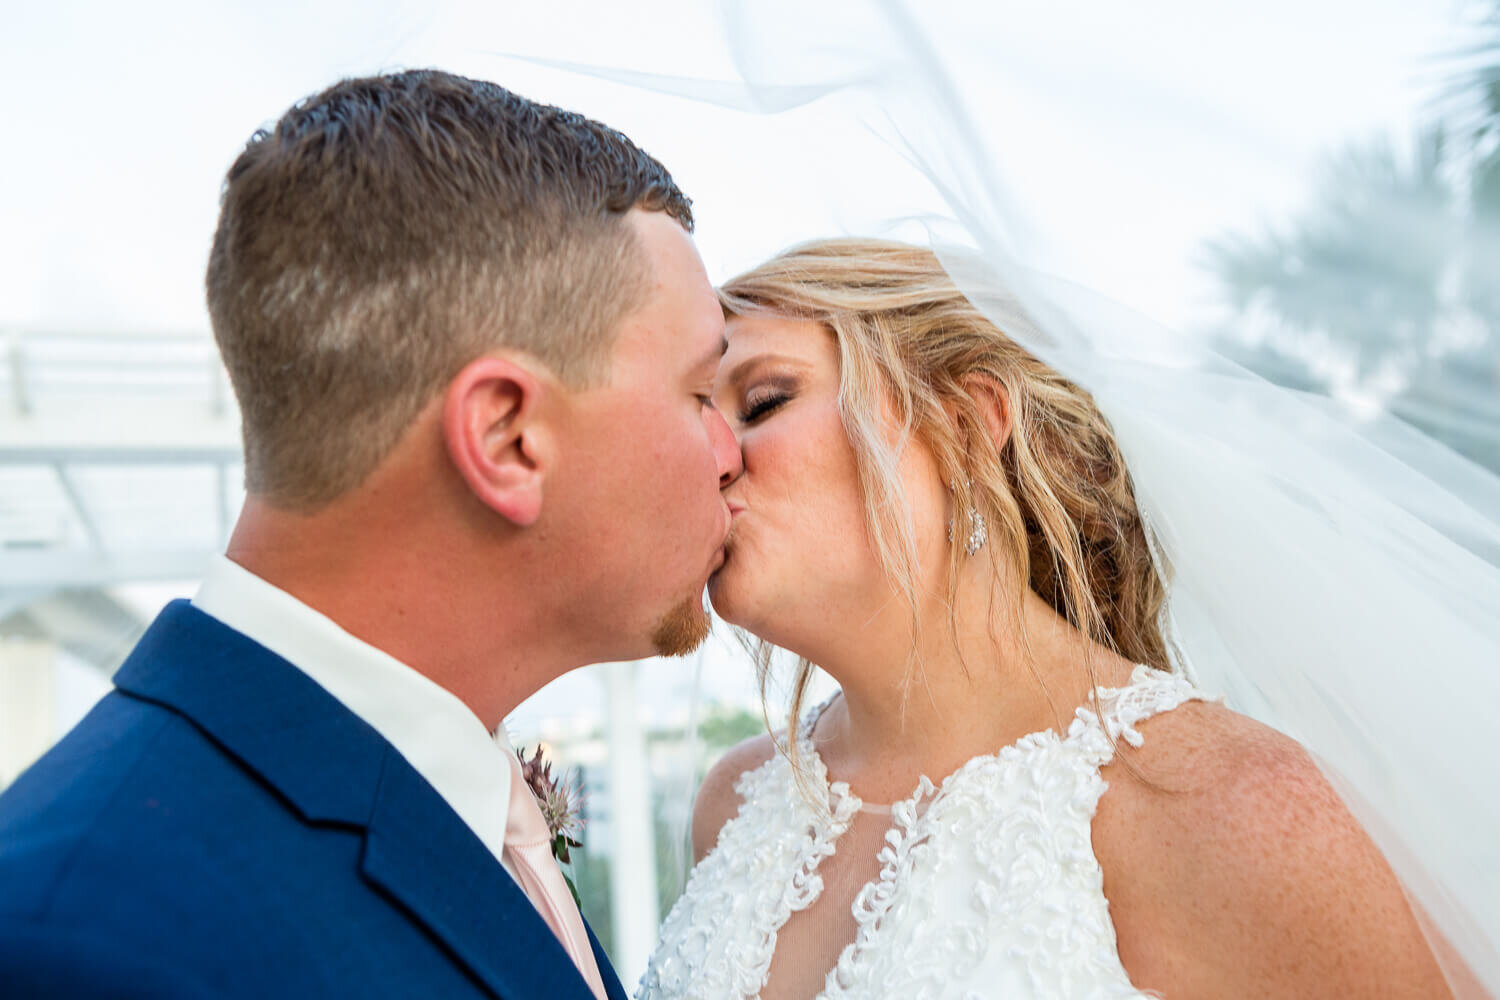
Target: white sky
point(1127, 132)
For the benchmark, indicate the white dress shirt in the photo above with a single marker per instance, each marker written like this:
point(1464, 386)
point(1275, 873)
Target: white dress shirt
point(437, 734)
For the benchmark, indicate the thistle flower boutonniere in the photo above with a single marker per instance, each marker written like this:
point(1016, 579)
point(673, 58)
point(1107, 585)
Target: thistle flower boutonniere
point(561, 802)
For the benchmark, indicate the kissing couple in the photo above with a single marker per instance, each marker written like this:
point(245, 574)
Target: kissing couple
point(498, 425)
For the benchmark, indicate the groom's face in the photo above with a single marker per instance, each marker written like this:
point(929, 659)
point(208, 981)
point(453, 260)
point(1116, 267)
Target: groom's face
point(648, 456)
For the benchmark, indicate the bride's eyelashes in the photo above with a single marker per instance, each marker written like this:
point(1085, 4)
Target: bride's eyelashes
point(762, 400)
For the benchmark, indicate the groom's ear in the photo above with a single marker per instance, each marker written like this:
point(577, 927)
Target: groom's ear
point(494, 438)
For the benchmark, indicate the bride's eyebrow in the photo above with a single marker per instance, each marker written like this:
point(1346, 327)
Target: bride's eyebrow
point(739, 372)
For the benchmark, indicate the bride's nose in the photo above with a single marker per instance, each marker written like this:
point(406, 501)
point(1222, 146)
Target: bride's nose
point(726, 449)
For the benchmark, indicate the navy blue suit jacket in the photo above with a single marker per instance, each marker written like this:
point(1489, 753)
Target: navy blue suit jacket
point(219, 825)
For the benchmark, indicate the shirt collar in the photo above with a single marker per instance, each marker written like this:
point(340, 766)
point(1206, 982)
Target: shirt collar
point(438, 734)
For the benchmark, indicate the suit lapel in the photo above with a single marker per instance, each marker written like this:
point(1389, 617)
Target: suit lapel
point(612, 987)
point(331, 766)
point(446, 878)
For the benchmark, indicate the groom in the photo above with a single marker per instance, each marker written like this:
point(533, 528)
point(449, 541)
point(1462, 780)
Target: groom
point(472, 344)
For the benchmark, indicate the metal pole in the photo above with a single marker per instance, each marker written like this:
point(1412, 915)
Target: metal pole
point(633, 903)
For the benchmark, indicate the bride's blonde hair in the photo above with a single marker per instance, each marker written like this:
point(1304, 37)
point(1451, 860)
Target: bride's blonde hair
point(1056, 496)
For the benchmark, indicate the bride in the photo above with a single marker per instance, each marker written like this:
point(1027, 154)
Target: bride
point(947, 527)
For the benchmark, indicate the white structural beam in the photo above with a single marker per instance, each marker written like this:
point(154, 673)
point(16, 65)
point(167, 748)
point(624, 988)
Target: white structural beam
point(632, 874)
point(90, 624)
point(111, 430)
point(137, 434)
point(48, 569)
point(27, 703)
point(12, 601)
point(166, 452)
point(16, 358)
point(75, 498)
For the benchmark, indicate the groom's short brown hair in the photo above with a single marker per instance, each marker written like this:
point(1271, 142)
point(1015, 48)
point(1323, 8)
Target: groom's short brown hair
point(389, 230)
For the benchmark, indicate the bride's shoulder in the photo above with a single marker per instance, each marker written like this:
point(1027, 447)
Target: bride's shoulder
point(1208, 778)
point(717, 800)
point(1222, 830)
point(1202, 744)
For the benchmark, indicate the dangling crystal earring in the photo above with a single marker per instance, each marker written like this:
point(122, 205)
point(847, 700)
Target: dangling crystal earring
point(979, 531)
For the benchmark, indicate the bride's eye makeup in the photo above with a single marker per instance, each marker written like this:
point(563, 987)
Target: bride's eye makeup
point(764, 397)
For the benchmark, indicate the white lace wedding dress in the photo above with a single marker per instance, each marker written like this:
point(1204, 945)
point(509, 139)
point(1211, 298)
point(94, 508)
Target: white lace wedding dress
point(987, 887)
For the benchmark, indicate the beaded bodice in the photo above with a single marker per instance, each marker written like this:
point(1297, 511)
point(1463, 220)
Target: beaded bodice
point(988, 885)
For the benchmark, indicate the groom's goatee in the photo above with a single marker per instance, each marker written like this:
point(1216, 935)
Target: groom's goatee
point(683, 629)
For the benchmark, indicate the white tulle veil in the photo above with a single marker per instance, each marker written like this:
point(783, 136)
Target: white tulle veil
point(1332, 572)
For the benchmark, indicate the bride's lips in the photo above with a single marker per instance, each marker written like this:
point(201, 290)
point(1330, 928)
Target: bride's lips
point(722, 553)
point(722, 556)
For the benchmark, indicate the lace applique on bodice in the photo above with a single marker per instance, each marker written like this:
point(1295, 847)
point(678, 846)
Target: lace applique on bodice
point(988, 885)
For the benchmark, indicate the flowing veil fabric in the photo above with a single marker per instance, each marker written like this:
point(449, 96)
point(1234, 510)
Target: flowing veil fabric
point(1334, 575)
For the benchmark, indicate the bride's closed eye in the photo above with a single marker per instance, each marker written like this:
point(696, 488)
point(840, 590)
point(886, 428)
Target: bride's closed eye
point(762, 399)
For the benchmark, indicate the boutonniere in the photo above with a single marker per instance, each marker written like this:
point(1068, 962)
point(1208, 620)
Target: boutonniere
point(561, 802)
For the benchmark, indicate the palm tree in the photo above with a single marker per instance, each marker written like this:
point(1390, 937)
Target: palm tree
point(1388, 285)
point(1364, 266)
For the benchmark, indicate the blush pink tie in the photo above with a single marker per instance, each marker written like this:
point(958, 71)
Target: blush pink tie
point(528, 849)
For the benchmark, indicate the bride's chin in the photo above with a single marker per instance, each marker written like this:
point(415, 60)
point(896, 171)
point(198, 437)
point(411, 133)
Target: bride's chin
point(723, 608)
point(721, 596)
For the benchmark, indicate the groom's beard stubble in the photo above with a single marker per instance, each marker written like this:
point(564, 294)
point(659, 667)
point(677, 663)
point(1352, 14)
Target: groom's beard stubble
point(682, 629)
